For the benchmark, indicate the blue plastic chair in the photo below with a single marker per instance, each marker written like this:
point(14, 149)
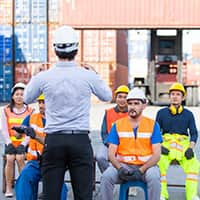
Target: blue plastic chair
point(124, 189)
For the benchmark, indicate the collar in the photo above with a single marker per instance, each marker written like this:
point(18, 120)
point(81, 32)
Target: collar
point(118, 111)
point(66, 64)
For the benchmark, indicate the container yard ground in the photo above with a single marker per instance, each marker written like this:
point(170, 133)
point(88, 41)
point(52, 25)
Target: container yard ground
point(97, 111)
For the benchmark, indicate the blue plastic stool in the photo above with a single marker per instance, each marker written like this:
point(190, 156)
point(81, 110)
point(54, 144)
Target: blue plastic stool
point(124, 188)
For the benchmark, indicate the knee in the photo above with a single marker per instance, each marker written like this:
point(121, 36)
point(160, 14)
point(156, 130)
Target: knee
point(10, 160)
point(153, 175)
point(20, 158)
point(105, 178)
point(99, 157)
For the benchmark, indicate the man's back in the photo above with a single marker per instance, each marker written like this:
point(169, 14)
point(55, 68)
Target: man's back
point(67, 89)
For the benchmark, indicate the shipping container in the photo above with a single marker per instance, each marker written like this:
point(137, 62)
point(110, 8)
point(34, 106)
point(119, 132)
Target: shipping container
point(24, 71)
point(30, 11)
point(99, 45)
point(53, 11)
point(130, 13)
point(6, 12)
point(6, 43)
point(138, 55)
point(30, 43)
point(6, 81)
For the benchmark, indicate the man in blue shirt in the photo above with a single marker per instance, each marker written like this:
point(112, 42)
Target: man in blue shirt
point(67, 88)
point(177, 123)
point(134, 149)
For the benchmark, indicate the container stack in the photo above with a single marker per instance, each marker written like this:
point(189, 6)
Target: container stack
point(30, 36)
point(6, 53)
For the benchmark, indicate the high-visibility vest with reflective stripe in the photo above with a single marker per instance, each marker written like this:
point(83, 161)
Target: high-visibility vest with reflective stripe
point(112, 116)
point(34, 146)
point(133, 150)
point(14, 119)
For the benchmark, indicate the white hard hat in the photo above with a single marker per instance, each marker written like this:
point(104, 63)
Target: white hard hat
point(65, 39)
point(16, 86)
point(136, 93)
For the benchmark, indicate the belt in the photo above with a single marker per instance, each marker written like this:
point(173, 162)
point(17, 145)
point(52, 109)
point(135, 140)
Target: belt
point(72, 132)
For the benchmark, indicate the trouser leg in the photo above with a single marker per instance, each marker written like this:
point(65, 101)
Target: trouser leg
point(81, 167)
point(53, 167)
point(64, 192)
point(27, 183)
point(164, 165)
point(152, 178)
point(102, 158)
point(191, 168)
point(108, 180)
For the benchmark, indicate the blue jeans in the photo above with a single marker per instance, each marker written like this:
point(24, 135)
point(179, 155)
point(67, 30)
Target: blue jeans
point(26, 187)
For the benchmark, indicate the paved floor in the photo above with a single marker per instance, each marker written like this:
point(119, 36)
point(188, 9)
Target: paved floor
point(175, 174)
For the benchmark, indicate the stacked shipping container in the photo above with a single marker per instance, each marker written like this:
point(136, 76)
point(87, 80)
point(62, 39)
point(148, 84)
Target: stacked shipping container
point(30, 33)
point(6, 54)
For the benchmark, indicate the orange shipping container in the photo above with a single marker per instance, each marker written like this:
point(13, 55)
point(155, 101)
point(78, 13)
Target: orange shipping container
point(130, 13)
point(24, 71)
point(99, 45)
point(6, 12)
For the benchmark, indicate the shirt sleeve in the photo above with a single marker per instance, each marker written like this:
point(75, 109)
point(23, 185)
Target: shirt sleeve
point(26, 121)
point(4, 131)
point(156, 135)
point(193, 129)
point(113, 137)
point(99, 88)
point(33, 90)
point(104, 133)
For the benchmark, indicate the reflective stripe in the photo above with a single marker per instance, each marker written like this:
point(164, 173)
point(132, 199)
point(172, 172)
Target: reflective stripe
point(131, 135)
point(15, 120)
point(133, 158)
point(32, 152)
point(192, 177)
point(126, 158)
point(126, 134)
point(14, 139)
point(173, 145)
point(179, 147)
point(144, 135)
point(37, 128)
point(144, 158)
point(163, 178)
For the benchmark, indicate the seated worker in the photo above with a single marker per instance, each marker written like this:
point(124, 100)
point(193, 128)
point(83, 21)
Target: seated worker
point(134, 149)
point(27, 183)
point(177, 124)
point(110, 116)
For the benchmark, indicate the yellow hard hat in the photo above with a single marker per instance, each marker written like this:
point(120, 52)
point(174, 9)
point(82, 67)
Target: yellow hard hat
point(41, 97)
point(123, 89)
point(179, 87)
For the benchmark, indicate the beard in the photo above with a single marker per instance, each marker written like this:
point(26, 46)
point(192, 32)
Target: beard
point(133, 113)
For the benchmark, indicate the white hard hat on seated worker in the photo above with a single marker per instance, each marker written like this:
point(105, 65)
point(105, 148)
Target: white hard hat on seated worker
point(65, 39)
point(17, 86)
point(137, 93)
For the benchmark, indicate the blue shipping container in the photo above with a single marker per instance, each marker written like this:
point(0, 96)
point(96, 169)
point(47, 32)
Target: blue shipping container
point(31, 11)
point(6, 43)
point(30, 43)
point(6, 82)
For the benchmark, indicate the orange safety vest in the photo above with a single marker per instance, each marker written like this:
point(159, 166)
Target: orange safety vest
point(14, 119)
point(133, 150)
point(112, 116)
point(34, 146)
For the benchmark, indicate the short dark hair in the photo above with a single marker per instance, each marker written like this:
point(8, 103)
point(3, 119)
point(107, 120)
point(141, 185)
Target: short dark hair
point(64, 55)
